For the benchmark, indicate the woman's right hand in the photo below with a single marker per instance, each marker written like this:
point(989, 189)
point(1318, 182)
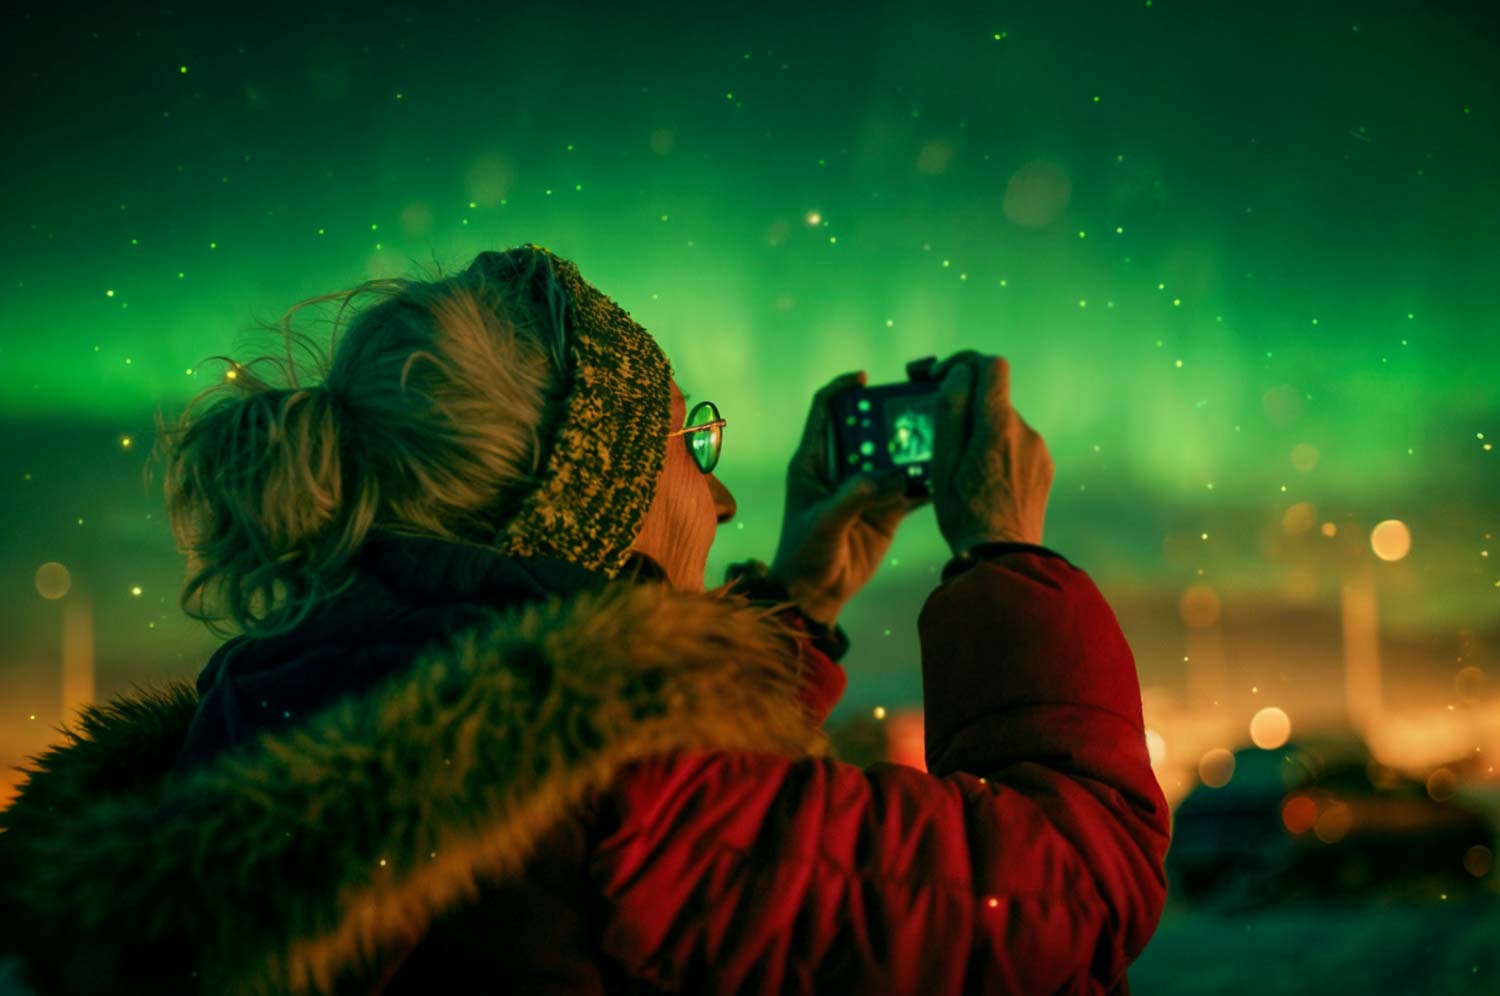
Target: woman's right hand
point(991, 471)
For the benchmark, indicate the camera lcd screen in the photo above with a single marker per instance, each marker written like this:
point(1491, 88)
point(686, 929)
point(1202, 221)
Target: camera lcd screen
point(890, 427)
point(909, 428)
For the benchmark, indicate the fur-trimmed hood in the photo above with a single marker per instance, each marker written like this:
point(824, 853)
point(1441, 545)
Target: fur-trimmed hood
point(282, 868)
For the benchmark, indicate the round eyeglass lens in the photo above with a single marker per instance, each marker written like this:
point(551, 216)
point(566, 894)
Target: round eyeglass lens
point(705, 443)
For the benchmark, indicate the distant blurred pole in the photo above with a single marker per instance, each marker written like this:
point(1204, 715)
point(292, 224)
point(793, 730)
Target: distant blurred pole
point(77, 654)
point(1361, 619)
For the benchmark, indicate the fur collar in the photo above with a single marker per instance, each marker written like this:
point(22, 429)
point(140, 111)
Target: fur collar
point(280, 869)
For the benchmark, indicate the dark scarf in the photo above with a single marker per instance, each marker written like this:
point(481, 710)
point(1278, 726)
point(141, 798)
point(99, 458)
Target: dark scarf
point(408, 593)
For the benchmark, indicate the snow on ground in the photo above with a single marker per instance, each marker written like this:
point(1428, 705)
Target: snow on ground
point(1325, 950)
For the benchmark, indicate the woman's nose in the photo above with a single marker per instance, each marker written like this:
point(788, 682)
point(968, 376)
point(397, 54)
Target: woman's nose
point(724, 503)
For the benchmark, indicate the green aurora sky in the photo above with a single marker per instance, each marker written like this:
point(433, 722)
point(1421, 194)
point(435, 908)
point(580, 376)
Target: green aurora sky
point(1204, 234)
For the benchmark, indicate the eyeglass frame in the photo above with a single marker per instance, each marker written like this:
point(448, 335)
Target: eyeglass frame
point(715, 423)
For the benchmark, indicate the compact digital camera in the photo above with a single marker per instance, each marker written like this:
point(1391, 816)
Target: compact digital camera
point(874, 430)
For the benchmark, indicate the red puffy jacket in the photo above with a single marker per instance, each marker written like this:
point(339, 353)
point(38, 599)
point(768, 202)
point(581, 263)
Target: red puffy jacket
point(617, 792)
point(1028, 859)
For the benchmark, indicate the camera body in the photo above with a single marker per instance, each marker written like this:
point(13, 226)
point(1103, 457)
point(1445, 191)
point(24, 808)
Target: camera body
point(874, 430)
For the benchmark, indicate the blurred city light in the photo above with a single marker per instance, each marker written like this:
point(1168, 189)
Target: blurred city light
point(1270, 728)
point(1334, 823)
point(1299, 813)
point(1156, 747)
point(1199, 606)
point(53, 580)
point(1216, 767)
point(1391, 540)
point(1441, 785)
point(1299, 518)
point(1470, 683)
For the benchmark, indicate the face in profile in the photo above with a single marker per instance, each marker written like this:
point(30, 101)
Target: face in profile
point(686, 511)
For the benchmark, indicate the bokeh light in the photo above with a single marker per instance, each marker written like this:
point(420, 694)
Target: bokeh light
point(1299, 518)
point(662, 140)
point(1334, 822)
point(1478, 860)
point(1199, 606)
point(53, 580)
point(1156, 747)
point(935, 157)
point(1442, 784)
point(1391, 540)
point(416, 220)
point(1282, 404)
point(489, 179)
point(1299, 813)
point(1270, 728)
point(1037, 193)
point(1216, 768)
point(1470, 683)
point(1304, 457)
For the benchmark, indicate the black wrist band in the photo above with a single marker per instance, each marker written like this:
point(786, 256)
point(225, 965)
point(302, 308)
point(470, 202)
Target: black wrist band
point(754, 581)
point(984, 551)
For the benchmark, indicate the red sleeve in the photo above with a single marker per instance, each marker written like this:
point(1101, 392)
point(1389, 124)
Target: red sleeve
point(823, 678)
point(1028, 680)
point(1028, 861)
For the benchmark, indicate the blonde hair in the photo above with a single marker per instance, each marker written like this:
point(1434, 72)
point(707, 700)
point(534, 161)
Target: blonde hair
point(430, 416)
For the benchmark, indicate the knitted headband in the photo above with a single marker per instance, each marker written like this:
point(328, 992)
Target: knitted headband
point(599, 475)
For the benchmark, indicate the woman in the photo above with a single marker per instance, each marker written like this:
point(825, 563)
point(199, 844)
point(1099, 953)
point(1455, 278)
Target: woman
point(483, 728)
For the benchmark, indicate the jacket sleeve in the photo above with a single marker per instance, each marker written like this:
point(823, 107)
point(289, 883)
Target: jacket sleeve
point(825, 679)
point(1029, 859)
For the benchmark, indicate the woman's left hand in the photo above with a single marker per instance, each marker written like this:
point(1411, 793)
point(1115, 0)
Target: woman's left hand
point(833, 539)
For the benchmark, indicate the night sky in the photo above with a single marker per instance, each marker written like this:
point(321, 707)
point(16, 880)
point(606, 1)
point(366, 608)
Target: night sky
point(1243, 260)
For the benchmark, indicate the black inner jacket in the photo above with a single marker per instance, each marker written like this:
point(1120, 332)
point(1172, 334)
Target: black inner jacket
point(409, 592)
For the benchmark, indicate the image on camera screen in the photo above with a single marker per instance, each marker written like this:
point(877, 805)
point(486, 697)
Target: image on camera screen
point(909, 427)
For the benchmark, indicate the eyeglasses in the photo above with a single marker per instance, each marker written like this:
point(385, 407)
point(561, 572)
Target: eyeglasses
point(705, 435)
